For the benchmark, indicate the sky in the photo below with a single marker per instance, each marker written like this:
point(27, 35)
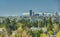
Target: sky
point(17, 7)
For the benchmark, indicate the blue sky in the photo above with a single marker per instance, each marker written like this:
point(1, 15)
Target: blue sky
point(17, 7)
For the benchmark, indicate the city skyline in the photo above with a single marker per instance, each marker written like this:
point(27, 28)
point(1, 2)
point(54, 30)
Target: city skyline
point(17, 7)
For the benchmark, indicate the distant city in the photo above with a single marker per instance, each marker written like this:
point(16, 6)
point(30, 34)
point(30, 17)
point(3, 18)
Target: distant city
point(32, 13)
point(32, 21)
point(32, 16)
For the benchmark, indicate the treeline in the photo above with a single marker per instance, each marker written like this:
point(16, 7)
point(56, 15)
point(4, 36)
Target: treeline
point(13, 25)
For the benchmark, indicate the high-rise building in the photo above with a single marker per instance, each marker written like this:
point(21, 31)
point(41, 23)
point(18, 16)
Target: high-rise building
point(31, 13)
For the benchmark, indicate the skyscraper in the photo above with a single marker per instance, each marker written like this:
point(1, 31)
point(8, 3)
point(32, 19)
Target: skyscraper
point(31, 13)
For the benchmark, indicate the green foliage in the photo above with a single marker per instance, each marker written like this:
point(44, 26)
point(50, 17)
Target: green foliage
point(35, 33)
point(40, 24)
point(12, 25)
point(50, 25)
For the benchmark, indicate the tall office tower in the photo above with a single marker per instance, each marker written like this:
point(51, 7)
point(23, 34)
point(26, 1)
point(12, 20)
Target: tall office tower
point(31, 13)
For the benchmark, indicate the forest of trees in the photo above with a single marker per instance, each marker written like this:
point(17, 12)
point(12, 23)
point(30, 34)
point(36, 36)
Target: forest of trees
point(22, 27)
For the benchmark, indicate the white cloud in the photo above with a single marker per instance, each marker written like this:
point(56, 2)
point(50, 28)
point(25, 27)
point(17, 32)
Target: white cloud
point(25, 13)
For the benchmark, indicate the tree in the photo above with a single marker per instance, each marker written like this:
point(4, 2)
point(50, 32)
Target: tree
point(7, 21)
point(49, 25)
point(49, 33)
point(10, 25)
point(35, 33)
point(45, 21)
point(40, 23)
point(58, 34)
point(43, 35)
point(56, 27)
point(7, 25)
point(13, 25)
